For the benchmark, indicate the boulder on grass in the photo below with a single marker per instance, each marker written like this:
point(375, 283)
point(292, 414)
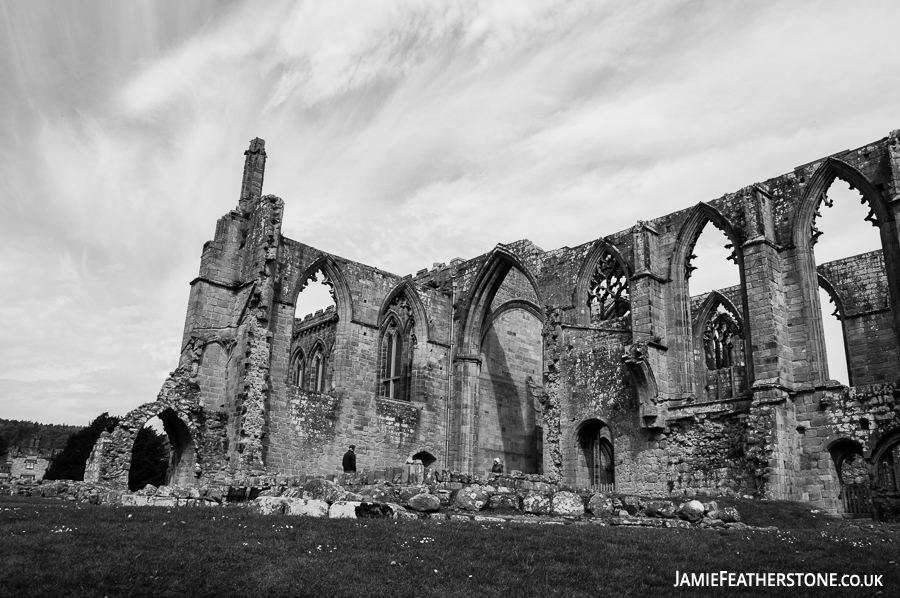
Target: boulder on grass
point(660, 508)
point(304, 506)
point(729, 515)
point(424, 503)
point(505, 501)
point(691, 510)
point(343, 509)
point(471, 498)
point(269, 505)
point(536, 503)
point(566, 503)
point(601, 505)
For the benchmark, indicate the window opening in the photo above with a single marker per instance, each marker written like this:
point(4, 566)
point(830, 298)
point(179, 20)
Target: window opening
point(608, 297)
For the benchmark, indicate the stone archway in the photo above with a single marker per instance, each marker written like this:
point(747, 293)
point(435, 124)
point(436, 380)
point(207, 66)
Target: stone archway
point(178, 406)
point(595, 464)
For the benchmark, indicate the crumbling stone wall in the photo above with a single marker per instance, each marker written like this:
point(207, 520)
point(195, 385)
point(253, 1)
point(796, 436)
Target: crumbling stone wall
point(860, 285)
point(641, 375)
point(197, 436)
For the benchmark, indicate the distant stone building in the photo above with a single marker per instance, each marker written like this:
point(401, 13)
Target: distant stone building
point(26, 463)
point(590, 363)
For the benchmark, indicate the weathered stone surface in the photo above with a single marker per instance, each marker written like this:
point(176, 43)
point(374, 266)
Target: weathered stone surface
point(537, 503)
point(375, 510)
point(566, 503)
point(424, 503)
point(269, 505)
point(471, 498)
point(343, 509)
point(407, 492)
point(307, 507)
point(660, 508)
point(323, 490)
point(380, 493)
point(691, 510)
point(632, 504)
point(507, 501)
point(580, 358)
point(729, 515)
point(601, 506)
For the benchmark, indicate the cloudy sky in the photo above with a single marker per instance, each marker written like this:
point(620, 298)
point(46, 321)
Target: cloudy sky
point(399, 133)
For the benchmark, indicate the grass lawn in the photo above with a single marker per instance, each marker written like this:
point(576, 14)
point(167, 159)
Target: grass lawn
point(57, 548)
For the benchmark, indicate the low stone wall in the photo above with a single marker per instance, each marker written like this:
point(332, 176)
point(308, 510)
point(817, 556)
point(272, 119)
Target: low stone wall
point(513, 497)
point(83, 492)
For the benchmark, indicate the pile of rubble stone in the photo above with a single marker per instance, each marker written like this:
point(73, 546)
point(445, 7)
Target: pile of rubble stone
point(323, 498)
point(493, 498)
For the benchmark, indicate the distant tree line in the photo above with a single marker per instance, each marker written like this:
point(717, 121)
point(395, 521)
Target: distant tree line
point(14, 432)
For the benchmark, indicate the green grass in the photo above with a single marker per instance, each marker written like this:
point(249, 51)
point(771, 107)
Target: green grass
point(231, 552)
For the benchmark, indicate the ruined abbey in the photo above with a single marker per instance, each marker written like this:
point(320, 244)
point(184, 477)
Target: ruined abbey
point(592, 365)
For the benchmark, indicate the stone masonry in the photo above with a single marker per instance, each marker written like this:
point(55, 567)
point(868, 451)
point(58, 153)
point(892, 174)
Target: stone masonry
point(592, 364)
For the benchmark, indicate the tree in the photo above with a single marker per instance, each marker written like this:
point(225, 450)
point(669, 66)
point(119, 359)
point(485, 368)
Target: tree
point(69, 464)
point(149, 460)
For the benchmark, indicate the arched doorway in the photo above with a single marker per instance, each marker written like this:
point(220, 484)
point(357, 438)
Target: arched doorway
point(426, 458)
point(596, 462)
point(182, 455)
point(853, 478)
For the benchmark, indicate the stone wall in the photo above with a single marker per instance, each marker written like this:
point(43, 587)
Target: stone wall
point(639, 381)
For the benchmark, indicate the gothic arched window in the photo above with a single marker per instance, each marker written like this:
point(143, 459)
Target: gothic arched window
point(721, 338)
point(608, 296)
point(318, 369)
point(398, 345)
point(391, 362)
point(298, 367)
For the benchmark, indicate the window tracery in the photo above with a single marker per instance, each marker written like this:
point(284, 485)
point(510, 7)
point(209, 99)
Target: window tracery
point(721, 334)
point(608, 296)
point(398, 343)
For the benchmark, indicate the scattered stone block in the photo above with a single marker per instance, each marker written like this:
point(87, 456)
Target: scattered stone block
point(567, 503)
point(343, 509)
point(471, 498)
point(691, 511)
point(269, 505)
point(307, 507)
point(536, 503)
point(425, 503)
point(729, 515)
point(505, 501)
point(601, 505)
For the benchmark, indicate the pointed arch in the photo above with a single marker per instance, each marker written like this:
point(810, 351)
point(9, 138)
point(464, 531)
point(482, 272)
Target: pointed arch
point(316, 368)
point(804, 233)
point(701, 214)
point(297, 369)
point(709, 306)
point(818, 185)
point(335, 279)
point(420, 316)
point(832, 292)
point(478, 300)
point(689, 375)
point(523, 304)
point(580, 296)
point(394, 358)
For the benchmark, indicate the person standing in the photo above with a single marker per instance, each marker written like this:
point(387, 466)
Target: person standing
point(349, 461)
point(497, 467)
